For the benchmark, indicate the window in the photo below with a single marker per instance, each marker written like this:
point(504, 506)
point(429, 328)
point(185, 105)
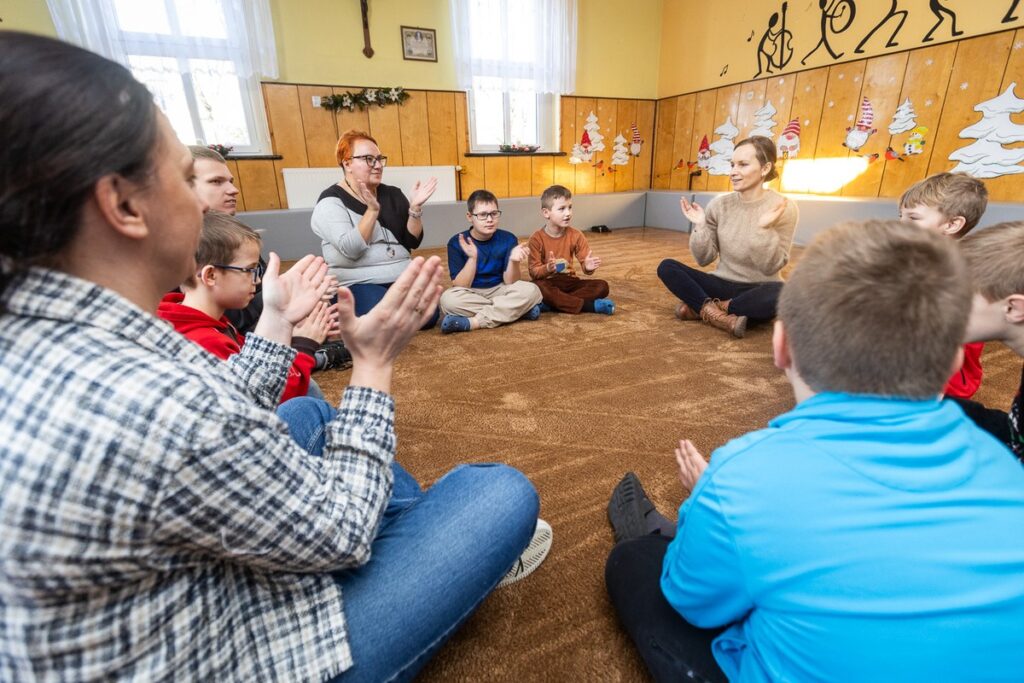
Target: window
point(514, 57)
point(195, 56)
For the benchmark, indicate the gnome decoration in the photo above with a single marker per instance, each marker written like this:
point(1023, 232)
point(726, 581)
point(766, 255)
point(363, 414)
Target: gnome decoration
point(582, 150)
point(857, 136)
point(704, 154)
point(634, 146)
point(721, 162)
point(915, 143)
point(620, 156)
point(789, 141)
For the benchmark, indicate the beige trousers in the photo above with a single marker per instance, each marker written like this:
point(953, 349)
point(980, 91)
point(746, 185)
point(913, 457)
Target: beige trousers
point(492, 306)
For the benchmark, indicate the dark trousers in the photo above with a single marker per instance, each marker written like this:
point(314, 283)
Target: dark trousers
point(671, 647)
point(567, 294)
point(995, 422)
point(369, 295)
point(755, 300)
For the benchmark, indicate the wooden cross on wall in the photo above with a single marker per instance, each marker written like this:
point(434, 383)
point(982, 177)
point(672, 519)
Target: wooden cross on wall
point(364, 7)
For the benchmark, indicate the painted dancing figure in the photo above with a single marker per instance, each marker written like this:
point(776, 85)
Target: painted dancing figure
point(893, 12)
point(938, 9)
point(831, 11)
point(779, 41)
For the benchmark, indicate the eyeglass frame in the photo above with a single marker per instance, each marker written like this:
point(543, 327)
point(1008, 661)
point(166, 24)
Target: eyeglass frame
point(257, 271)
point(381, 159)
point(487, 214)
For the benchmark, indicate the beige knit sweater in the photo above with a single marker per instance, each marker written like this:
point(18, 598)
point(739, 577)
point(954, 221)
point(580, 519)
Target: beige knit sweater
point(745, 252)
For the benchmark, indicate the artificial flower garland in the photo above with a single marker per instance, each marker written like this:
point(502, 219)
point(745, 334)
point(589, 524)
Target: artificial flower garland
point(364, 98)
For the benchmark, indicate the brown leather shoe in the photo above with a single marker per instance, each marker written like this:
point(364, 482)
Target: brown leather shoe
point(723, 304)
point(684, 312)
point(735, 325)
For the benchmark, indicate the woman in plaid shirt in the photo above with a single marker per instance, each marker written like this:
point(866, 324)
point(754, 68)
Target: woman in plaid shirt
point(157, 519)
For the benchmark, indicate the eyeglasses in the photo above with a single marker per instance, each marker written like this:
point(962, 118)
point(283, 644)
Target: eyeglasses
point(486, 216)
point(372, 161)
point(257, 272)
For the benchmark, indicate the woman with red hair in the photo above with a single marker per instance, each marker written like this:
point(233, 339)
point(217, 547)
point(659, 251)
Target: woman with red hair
point(367, 229)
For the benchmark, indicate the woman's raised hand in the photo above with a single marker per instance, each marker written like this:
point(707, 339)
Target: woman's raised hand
point(692, 210)
point(421, 192)
point(367, 196)
point(768, 218)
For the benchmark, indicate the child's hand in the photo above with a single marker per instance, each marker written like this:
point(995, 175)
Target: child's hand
point(318, 324)
point(552, 264)
point(519, 253)
point(768, 218)
point(468, 246)
point(691, 464)
point(693, 212)
point(591, 263)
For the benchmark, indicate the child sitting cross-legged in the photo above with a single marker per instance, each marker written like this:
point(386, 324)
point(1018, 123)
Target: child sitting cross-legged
point(552, 250)
point(227, 272)
point(484, 265)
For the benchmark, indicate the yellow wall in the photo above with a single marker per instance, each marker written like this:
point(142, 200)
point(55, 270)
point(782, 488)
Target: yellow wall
point(27, 15)
point(699, 38)
point(617, 48)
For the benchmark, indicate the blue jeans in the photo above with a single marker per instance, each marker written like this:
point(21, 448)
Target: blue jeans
point(369, 295)
point(437, 555)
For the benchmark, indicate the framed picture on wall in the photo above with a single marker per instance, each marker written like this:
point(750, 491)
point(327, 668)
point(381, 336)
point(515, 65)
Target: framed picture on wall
point(419, 44)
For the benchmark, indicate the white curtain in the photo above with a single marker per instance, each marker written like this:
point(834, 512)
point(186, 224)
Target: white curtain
point(236, 30)
point(515, 45)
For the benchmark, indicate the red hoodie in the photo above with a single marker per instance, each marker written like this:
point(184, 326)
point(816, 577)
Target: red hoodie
point(222, 340)
point(965, 381)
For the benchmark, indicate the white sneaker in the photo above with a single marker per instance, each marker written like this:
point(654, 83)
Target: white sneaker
point(532, 557)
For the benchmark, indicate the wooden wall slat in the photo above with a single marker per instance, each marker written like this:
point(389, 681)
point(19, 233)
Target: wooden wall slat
point(604, 180)
point(233, 167)
point(472, 175)
point(520, 176)
point(319, 126)
point(882, 77)
point(257, 180)
point(751, 99)
point(564, 172)
point(542, 174)
point(584, 172)
point(387, 131)
point(779, 91)
point(496, 175)
point(924, 83)
point(842, 107)
point(703, 124)
point(414, 129)
point(727, 104)
point(642, 165)
point(286, 132)
point(683, 131)
point(665, 135)
point(979, 64)
point(625, 114)
point(1008, 187)
point(444, 150)
point(808, 102)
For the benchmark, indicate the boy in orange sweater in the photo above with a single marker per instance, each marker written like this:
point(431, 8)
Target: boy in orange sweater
point(552, 250)
point(228, 269)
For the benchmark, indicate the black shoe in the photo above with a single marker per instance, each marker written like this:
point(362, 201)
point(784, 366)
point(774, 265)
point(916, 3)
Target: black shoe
point(628, 508)
point(332, 356)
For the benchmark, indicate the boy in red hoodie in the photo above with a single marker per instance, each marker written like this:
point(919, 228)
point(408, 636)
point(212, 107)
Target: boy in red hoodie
point(228, 269)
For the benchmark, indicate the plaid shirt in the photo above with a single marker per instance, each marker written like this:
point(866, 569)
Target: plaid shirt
point(157, 522)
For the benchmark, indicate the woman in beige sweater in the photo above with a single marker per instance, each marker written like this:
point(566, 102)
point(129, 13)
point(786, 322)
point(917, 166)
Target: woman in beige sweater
point(750, 232)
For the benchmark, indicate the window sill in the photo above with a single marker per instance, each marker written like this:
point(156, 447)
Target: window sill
point(515, 154)
point(254, 157)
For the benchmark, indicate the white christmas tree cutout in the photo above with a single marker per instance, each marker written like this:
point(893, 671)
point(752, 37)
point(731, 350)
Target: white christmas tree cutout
point(986, 157)
point(721, 161)
point(620, 154)
point(903, 119)
point(591, 141)
point(764, 120)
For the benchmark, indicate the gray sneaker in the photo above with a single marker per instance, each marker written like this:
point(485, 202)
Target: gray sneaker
point(532, 557)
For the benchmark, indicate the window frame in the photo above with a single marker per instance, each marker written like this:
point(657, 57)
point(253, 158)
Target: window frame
point(547, 123)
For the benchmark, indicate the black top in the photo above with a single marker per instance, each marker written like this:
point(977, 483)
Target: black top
point(394, 211)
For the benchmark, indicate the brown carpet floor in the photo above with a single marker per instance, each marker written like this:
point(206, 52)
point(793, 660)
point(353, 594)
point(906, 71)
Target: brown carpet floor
point(574, 402)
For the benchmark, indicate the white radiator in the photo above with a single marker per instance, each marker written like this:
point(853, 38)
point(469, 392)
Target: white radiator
point(303, 185)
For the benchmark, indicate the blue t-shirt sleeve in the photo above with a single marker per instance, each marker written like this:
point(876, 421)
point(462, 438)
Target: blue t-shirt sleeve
point(456, 257)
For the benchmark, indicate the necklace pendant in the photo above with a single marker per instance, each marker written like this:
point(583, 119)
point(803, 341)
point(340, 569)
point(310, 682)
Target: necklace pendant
point(391, 252)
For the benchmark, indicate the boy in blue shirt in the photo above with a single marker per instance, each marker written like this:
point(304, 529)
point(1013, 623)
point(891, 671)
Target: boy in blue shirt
point(871, 533)
point(484, 265)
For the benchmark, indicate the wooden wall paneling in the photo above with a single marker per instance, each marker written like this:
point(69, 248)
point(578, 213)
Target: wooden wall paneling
point(444, 148)
point(258, 180)
point(604, 180)
point(779, 91)
point(496, 175)
point(643, 164)
point(386, 129)
point(233, 167)
point(286, 130)
point(883, 79)
point(682, 131)
point(320, 129)
point(413, 123)
point(542, 174)
point(703, 124)
point(1010, 187)
point(751, 99)
point(472, 175)
point(584, 173)
point(925, 83)
point(664, 138)
point(977, 76)
point(564, 172)
point(520, 176)
point(842, 107)
point(808, 102)
point(727, 104)
point(351, 120)
point(625, 115)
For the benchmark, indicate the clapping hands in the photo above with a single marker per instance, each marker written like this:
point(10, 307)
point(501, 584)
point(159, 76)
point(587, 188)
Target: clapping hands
point(519, 253)
point(591, 262)
point(768, 218)
point(692, 210)
point(468, 246)
point(421, 192)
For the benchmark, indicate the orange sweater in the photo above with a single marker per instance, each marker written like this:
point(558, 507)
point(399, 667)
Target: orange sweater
point(571, 244)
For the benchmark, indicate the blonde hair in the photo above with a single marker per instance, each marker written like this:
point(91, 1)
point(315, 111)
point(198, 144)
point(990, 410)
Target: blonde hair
point(952, 195)
point(994, 259)
point(220, 240)
point(878, 307)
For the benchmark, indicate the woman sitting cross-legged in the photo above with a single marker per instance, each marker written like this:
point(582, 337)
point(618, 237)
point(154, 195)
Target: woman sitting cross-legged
point(750, 232)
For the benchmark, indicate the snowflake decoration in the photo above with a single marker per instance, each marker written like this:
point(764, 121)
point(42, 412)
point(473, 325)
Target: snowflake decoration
point(928, 103)
point(892, 79)
point(781, 100)
point(1018, 45)
point(963, 86)
point(807, 89)
point(782, 81)
point(842, 76)
point(856, 79)
point(807, 122)
point(831, 104)
point(850, 117)
point(929, 62)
